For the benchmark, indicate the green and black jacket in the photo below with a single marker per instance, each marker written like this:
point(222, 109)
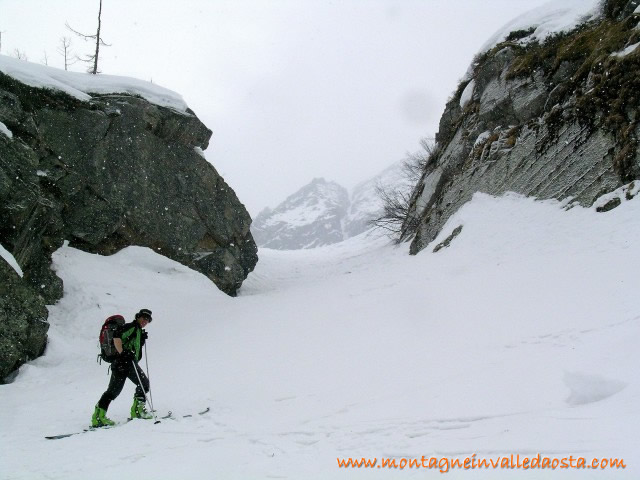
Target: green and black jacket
point(131, 336)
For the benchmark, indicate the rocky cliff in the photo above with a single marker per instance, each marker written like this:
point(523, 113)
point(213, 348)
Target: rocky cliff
point(552, 119)
point(103, 171)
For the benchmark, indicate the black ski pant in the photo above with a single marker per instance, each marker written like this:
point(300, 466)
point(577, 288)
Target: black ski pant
point(120, 371)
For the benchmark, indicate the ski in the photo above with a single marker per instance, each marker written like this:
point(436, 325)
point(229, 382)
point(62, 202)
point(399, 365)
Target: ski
point(206, 410)
point(169, 415)
point(89, 429)
point(172, 417)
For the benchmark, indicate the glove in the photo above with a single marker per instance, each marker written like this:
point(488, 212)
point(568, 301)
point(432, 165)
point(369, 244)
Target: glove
point(145, 335)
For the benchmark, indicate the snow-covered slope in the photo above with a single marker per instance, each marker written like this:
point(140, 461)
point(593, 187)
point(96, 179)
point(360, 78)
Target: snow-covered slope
point(520, 338)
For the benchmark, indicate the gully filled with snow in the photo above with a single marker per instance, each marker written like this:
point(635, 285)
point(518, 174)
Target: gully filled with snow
point(519, 338)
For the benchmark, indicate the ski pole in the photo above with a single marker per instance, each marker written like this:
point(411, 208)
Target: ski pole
point(146, 361)
point(135, 367)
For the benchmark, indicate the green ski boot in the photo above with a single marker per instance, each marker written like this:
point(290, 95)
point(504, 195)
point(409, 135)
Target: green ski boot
point(138, 410)
point(99, 418)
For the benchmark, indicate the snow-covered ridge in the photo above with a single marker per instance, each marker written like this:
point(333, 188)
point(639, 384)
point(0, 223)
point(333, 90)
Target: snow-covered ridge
point(549, 19)
point(546, 20)
point(82, 85)
point(308, 218)
point(299, 209)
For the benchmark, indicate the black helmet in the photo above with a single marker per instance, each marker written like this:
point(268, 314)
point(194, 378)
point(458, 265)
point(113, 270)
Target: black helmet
point(144, 313)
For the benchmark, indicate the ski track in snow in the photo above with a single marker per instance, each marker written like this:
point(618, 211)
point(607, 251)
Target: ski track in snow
point(521, 337)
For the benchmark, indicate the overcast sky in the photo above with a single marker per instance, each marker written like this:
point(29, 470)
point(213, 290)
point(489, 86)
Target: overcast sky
point(291, 89)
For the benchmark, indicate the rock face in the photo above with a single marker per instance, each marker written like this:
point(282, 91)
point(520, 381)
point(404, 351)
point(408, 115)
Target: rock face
point(551, 120)
point(23, 321)
point(104, 174)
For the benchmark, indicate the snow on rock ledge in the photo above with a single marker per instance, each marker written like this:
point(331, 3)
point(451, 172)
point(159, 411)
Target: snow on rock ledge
point(548, 19)
point(467, 94)
point(9, 258)
point(82, 85)
point(5, 131)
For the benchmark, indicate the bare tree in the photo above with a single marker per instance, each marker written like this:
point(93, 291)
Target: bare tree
point(45, 57)
point(64, 49)
point(20, 55)
point(92, 59)
point(415, 163)
point(396, 199)
point(395, 208)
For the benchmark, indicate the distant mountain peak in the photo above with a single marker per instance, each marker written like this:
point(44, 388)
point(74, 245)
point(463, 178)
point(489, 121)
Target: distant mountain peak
point(310, 217)
point(321, 213)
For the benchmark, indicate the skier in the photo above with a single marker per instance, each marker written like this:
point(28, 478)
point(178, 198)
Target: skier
point(128, 341)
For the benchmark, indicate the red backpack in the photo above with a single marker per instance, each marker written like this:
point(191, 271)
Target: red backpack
point(107, 348)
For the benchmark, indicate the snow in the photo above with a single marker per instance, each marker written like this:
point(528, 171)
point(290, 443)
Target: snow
point(467, 93)
point(200, 152)
point(10, 259)
point(303, 214)
point(548, 19)
point(83, 85)
point(308, 205)
point(5, 131)
point(482, 137)
point(626, 51)
point(520, 337)
point(430, 186)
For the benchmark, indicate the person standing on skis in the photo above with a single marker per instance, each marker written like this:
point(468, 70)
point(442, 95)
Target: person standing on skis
point(128, 341)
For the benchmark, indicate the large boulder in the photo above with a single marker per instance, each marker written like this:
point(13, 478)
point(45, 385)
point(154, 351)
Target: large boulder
point(110, 171)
